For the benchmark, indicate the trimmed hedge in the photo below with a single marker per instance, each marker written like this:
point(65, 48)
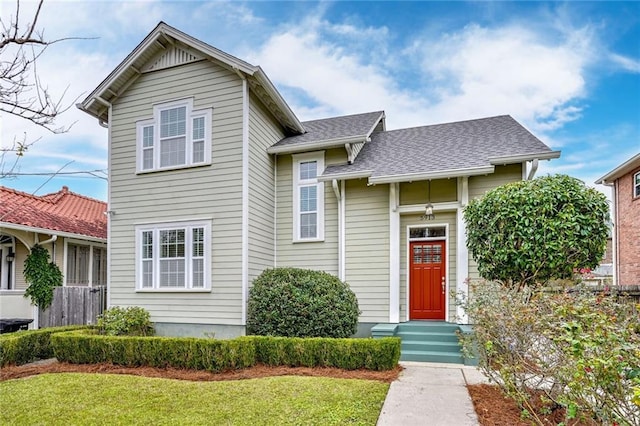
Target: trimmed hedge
point(23, 347)
point(87, 347)
point(132, 351)
point(348, 354)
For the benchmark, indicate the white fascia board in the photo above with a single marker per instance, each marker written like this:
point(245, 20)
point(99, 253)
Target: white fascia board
point(8, 225)
point(314, 146)
point(381, 117)
point(452, 173)
point(345, 176)
point(162, 29)
point(511, 159)
point(619, 171)
point(268, 86)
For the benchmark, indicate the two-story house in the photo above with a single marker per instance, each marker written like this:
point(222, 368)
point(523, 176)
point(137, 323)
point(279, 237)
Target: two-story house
point(213, 178)
point(624, 181)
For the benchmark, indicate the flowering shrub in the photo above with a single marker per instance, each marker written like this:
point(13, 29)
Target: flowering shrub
point(578, 351)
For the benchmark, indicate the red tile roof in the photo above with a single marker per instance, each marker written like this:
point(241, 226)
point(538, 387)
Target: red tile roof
point(63, 211)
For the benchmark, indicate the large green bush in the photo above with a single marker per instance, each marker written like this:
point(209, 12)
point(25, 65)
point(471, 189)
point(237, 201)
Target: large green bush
point(26, 346)
point(130, 321)
point(88, 347)
point(580, 349)
point(527, 233)
point(294, 302)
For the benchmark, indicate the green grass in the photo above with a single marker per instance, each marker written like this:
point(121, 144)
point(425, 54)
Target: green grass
point(101, 399)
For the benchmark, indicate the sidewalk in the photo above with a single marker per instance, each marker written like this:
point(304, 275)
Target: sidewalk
point(431, 394)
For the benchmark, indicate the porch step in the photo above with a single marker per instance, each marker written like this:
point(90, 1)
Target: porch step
point(431, 356)
point(429, 341)
point(450, 337)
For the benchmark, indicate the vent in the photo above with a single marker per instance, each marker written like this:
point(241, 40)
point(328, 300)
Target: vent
point(170, 58)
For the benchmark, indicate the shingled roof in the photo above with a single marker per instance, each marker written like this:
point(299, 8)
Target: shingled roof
point(330, 132)
point(62, 211)
point(443, 150)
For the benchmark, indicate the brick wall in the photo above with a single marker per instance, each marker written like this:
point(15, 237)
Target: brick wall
point(628, 231)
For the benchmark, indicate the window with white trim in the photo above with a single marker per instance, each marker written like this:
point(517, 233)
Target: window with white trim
point(636, 185)
point(308, 197)
point(177, 136)
point(173, 256)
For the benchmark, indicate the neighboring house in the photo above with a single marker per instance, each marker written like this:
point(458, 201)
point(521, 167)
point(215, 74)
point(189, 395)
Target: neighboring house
point(72, 227)
point(625, 183)
point(213, 179)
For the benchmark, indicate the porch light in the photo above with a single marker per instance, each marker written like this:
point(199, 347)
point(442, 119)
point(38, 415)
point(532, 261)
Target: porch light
point(11, 256)
point(428, 212)
point(428, 209)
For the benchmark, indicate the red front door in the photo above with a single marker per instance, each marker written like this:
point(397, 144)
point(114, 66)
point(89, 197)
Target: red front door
point(427, 280)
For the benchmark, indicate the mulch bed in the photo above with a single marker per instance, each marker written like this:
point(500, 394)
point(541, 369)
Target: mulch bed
point(495, 409)
point(16, 372)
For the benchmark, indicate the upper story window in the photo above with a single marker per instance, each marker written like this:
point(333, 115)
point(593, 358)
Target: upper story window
point(173, 256)
point(177, 136)
point(636, 185)
point(308, 197)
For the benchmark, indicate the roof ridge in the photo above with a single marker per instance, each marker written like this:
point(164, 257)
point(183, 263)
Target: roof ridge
point(344, 116)
point(450, 122)
point(26, 194)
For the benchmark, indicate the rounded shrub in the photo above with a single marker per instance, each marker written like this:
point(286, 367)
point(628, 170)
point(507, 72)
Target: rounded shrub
point(294, 302)
point(131, 321)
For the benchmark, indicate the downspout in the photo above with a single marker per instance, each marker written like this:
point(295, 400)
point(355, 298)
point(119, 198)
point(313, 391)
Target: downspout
point(245, 196)
point(336, 191)
point(614, 234)
point(534, 168)
point(50, 240)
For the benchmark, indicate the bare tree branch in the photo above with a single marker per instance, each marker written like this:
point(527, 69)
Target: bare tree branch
point(22, 92)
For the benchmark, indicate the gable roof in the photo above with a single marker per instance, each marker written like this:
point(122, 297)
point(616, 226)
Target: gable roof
point(330, 133)
point(626, 167)
point(463, 148)
point(165, 38)
point(63, 211)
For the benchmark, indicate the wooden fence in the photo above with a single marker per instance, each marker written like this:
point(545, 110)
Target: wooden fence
point(74, 306)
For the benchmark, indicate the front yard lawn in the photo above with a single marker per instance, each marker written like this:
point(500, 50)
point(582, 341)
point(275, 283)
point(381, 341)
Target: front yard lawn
point(89, 399)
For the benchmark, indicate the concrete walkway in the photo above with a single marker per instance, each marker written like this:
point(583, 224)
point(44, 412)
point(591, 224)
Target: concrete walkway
point(431, 394)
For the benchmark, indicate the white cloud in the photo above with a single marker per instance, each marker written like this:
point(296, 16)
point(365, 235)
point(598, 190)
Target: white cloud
point(625, 63)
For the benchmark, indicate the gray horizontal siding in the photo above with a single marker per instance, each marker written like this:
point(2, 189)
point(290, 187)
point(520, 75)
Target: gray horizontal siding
point(264, 131)
point(367, 248)
point(212, 191)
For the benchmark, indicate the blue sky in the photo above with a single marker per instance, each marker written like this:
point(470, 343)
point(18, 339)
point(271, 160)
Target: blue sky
point(569, 72)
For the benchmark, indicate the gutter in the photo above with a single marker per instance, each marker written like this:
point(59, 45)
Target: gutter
point(9, 225)
point(345, 176)
point(323, 144)
point(471, 171)
point(512, 159)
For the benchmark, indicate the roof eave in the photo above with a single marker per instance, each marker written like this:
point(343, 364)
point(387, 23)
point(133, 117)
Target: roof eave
point(162, 29)
point(512, 159)
point(64, 234)
point(345, 176)
point(268, 86)
point(443, 174)
point(619, 171)
point(312, 146)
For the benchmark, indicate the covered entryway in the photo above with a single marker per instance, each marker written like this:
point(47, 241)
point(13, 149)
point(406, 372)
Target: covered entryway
point(427, 281)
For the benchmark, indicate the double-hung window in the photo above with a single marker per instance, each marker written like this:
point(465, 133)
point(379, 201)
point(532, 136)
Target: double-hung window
point(173, 256)
point(636, 185)
point(308, 197)
point(177, 136)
